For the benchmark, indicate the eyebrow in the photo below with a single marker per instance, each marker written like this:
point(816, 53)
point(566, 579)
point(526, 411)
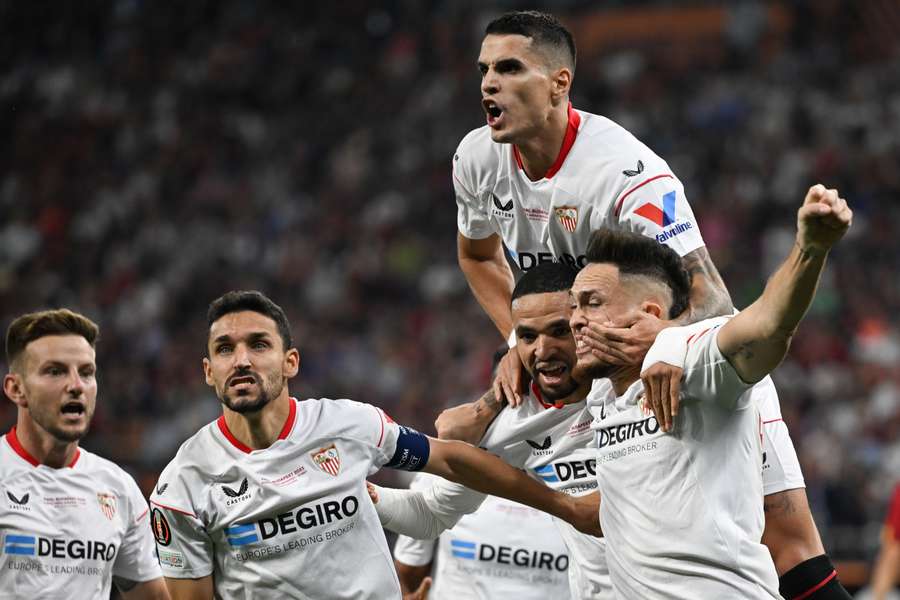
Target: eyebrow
point(503, 63)
point(252, 337)
point(550, 325)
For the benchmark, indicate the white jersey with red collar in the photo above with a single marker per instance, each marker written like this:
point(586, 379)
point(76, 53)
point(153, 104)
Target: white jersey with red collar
point(503, 550)
point(682, 512)
point(289, 521)
point(554, 446)
point(65, 533)
point(603, 177)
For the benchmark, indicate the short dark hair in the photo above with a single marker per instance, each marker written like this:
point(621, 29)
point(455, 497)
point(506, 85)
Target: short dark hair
point(545, 278)
point(635, 254)
point(543, 28)
point(254, 301)
point(32, 326)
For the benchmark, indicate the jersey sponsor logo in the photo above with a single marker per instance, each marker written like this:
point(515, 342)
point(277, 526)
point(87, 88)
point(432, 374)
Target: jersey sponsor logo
point(569, 470)
point(527, 260)
point(161, 530)
point(161, 489)
point(637, 171)
point(568, 217)
point(107, 503)
point(19, 503)
point(44, 547)
point(507, 555)
point(285, 479)
point(237, 495)
point(304, 517)
point(618, 434)
point(328, 459)
point(500, 206)
point(664, 217)
point(545, 445)
point(171, 558)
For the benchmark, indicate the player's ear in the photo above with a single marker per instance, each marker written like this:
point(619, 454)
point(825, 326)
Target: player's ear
point(653, 308)
point(561, 83)
point(12, 387)
point(207, 372)
point(291, 363)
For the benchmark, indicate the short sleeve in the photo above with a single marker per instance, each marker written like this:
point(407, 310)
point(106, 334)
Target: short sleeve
point(399, 447)
point(136, 560)
point(472, 218)
point(892, 522)
point(708, 376)
point(410, 551)
point(657, 208)
point(185, 550)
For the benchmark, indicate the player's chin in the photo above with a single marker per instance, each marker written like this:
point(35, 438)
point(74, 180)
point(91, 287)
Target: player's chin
point(502, 135)
point(589, 367)
point(245, 403)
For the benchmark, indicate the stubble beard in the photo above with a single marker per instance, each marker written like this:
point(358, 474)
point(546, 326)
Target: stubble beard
point(268, 389)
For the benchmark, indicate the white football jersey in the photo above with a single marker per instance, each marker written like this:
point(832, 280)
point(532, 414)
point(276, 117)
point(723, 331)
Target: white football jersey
point(503, 550)
point(603, 177)
point(292, 520)
point(683, 512)
point(65, 533)
point(555, 446)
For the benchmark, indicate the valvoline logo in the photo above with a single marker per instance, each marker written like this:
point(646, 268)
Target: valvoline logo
point(664, 217)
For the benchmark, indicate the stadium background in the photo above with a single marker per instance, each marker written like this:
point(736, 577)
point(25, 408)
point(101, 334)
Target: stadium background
point(155, 155)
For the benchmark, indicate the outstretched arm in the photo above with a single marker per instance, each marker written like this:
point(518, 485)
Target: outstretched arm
point(756, 340)
point(484, 472)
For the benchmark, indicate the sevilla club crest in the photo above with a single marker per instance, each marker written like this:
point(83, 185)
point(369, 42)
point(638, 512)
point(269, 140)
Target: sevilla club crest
point(568, 217)
point(107, 505)
point(328, 459)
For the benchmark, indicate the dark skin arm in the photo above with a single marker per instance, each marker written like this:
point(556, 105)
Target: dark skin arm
point(414, 581)
point(468, 422)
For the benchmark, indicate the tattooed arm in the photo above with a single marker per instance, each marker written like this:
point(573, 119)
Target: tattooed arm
point(756, 340)
point(709, 296)
point(468, 422)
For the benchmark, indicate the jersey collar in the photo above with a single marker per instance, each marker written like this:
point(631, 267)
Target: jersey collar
point(540, 398)
point(285, 430)
point(568, 141)
point(19, 449)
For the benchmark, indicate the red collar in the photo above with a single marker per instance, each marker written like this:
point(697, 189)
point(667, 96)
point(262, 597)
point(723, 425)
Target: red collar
point(568, 141)
point(288, 425)
point(19, 449)
point(537, 394)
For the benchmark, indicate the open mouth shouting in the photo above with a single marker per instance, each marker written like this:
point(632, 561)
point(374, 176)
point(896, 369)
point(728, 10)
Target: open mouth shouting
point(73, 410)
point(551, 373)
point(493, 111)
point(242, 382)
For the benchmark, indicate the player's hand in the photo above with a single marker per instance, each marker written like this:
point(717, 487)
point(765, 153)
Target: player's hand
point(625, 341)
point(468, 422)
point(586, 514)
point(421, 592)
point(662, 392)
point(508, 380)
point(373, 493)
point(823, 219)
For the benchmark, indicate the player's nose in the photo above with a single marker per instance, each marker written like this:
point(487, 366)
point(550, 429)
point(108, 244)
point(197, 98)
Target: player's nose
point(74, 383)
point(489, 83)
point(241, 356)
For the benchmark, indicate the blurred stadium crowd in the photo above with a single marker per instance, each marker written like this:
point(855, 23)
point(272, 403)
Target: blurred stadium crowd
point(157, 154)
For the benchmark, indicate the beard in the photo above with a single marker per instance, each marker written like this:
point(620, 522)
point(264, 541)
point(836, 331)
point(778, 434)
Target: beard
point(557, 392)
point(246, 403)
point(48, 423)
point(592, 368)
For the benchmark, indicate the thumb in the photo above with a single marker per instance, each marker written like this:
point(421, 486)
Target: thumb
point(422, 591)
point(815, 194)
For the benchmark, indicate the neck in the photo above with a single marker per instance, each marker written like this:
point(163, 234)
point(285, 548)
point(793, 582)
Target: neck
point(622, 380)
point(258, 430)
point(539, 152)
point(42, 445)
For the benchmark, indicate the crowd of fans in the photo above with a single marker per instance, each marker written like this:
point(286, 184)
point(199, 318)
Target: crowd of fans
point(160, 154)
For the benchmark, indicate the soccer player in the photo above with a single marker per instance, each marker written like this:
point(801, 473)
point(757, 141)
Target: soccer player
point(272, 494)
point(503, 550)
point(681, 511)
point(548, 435)
point(887, 566)
point(71, 522)
point(537, 179)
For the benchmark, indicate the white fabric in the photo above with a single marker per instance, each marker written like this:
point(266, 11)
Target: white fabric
point(50, 518)
point(504, 550)
point(682, 512)
point(285, 526)
point(561, 456)
point(405, 512)
point(494, 195)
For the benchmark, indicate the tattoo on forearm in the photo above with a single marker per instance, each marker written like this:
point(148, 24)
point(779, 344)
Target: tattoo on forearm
point(124, 585)
point(488, 402)
point(779, 503)
point(709, 296)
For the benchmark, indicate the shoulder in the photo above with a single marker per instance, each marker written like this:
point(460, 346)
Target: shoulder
point(95, 466)
point(342, 418)
point(182, 482)
point(477, 159)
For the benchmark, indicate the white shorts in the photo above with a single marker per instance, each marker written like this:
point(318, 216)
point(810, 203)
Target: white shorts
point(781, 468)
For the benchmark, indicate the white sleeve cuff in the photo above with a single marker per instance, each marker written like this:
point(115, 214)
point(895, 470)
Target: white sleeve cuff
point(406, 512)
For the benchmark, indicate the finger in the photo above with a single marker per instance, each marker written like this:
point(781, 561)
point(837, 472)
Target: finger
point(654, 401)
point(422, 592)
point(498, 389)
point(508, 393)
point(627, 320)
point(517, 386)
point(814, 193)
point(601, 332)
point(665, 406)
point(373, 494)
point(675, 392)
point(605, 354)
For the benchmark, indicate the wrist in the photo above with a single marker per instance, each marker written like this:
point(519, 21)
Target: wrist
point(809, 250)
